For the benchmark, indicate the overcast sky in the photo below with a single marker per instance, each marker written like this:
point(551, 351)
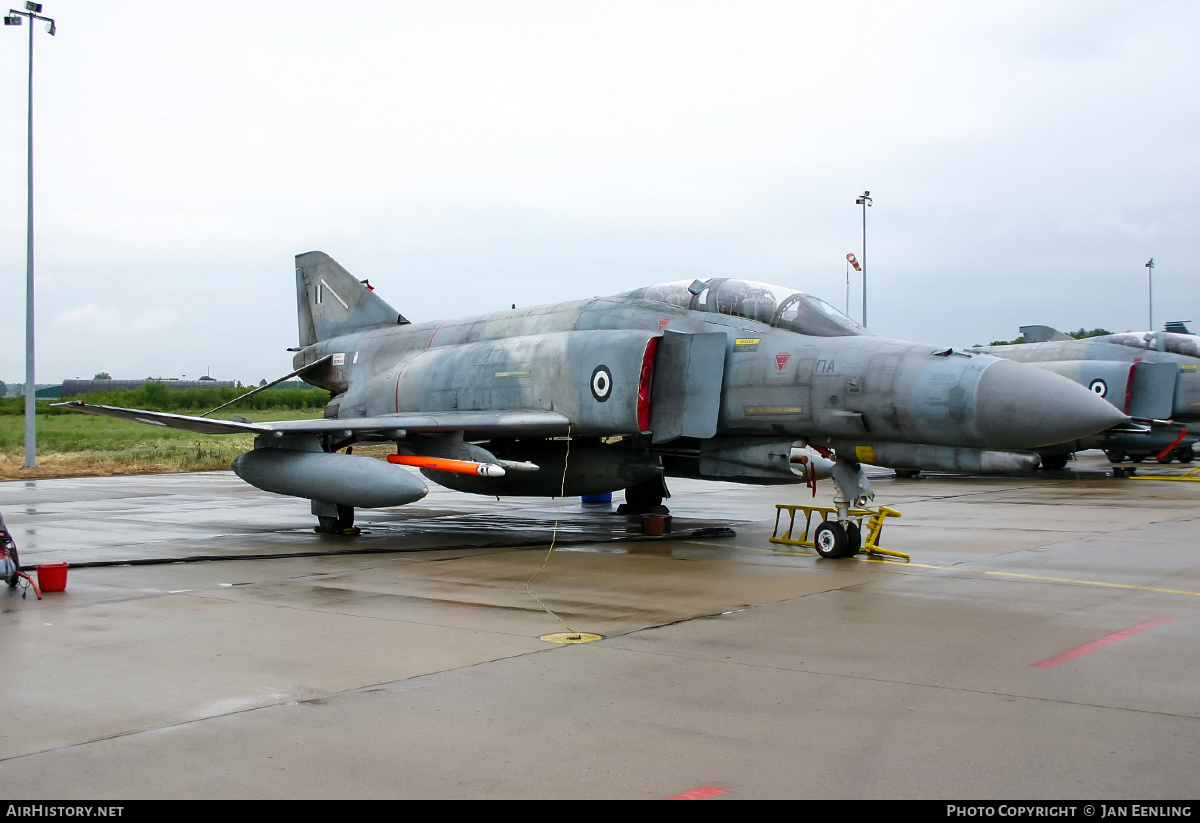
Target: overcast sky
point(1026, 160)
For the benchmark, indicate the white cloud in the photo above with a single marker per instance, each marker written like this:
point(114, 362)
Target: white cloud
point(1026, 159)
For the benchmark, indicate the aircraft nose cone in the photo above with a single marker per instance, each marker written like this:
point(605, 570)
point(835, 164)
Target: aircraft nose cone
point(1023, 407)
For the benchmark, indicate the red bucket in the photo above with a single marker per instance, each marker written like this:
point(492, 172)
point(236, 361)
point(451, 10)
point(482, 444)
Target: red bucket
point(652, 524)
point(52, 577)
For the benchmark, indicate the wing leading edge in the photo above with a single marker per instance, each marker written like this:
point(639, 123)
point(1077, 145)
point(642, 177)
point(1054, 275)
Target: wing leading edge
point(514, 422)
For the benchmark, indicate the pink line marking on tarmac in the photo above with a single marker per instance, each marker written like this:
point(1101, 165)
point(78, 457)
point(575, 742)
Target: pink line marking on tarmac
point(1088, 648)
point(702, 793)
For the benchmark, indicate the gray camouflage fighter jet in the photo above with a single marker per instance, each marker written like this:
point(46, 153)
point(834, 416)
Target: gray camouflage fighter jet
point(1154, 377)
point(714, 379)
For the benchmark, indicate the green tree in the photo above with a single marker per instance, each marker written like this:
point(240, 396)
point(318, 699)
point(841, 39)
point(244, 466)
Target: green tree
point(155, 394)
point(103, 376)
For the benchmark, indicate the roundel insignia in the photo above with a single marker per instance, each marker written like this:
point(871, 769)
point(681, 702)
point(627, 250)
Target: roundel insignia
point(601, 383)
point(1099, 387)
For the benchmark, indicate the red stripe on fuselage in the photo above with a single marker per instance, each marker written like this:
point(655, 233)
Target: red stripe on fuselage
point(405, 366)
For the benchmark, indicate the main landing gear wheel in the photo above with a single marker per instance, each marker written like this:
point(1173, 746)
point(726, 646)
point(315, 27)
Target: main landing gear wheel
point(337, 525)
point(645, 498)
point(1138, 458)
point(831, 540)
point(1055, 462)
point(1185, 454)
point(1167, 459)
point(1115, 456)
point(908, 474)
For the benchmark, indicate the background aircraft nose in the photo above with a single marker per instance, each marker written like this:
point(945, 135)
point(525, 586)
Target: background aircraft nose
point(1021, 407)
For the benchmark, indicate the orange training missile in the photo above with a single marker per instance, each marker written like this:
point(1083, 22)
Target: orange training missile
point(446, 465)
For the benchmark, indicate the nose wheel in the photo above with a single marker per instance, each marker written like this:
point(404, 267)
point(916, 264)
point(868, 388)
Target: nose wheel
point(832, 539)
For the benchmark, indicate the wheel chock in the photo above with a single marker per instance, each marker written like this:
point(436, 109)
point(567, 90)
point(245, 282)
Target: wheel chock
point(870, 532)
point(1192, 475)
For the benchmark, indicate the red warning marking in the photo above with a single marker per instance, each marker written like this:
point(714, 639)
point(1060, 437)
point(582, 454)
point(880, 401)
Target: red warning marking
point(662, 322)
point(702, 793)
point(1088, 648)
point(1182, 434)
point(781, 360)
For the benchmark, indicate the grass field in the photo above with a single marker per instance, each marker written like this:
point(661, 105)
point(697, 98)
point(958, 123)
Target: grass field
point(83, 445)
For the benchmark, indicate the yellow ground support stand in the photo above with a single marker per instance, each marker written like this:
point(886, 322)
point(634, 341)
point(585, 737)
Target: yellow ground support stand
point(870, 533)
point(1191, 474)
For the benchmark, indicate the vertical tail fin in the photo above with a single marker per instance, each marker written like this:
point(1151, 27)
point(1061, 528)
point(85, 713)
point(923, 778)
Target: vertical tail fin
point(330, 301)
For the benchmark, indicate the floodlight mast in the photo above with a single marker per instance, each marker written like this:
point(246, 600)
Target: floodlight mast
point(32, 11)
point(864, 200)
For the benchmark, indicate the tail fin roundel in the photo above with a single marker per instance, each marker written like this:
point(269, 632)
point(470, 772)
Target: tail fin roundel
point(331, 302)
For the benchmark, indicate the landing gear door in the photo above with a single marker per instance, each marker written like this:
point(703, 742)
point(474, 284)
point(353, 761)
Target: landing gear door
point(1152, 393)
point(686, 396)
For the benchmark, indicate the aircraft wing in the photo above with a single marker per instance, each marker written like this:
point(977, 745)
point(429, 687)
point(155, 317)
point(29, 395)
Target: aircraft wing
point(512, 422)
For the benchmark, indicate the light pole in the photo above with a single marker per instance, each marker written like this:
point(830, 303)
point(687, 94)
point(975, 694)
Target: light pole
point(864, 200)
point(1150, 286)
point(32, 11)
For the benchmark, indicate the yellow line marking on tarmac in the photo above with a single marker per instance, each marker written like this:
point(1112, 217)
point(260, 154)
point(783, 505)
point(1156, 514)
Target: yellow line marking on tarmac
point(963, 569)
point(1063, 580)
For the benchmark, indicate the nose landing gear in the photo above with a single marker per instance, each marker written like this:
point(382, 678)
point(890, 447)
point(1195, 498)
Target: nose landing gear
point(832, 539)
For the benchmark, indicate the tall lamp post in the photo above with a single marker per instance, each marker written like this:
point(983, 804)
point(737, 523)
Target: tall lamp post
point(864, 200)
point(1150, 287)
point(33, 12)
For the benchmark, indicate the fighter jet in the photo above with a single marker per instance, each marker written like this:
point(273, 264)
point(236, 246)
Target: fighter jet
point(1154, 377)
point(715, 379)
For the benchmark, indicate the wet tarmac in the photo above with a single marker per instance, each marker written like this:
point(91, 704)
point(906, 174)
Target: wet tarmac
point(1044, 643)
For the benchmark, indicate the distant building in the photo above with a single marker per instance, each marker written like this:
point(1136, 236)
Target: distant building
point(49, 391)
point(70, 388)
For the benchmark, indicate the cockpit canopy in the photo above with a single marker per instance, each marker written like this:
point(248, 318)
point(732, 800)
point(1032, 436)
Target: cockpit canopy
point(774, 305)
point(1159, 341)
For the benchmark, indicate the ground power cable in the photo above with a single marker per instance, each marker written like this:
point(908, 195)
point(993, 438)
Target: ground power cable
point(554, 537)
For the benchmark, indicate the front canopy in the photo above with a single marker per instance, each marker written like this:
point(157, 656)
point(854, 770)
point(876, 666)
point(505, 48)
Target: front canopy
point(1186, 344)
point(776, 306)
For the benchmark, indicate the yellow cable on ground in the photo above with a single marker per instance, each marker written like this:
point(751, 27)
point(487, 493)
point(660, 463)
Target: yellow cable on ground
point(554, 537)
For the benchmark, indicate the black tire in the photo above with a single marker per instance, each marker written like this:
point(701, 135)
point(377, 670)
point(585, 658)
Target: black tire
point(337, 525)
point(830, 540)
point(11, 550)
point(1138, 458)
point(1115, 456)
point(645, 498)
point(853, 540)
point(908, 474)
point(1185, 454)
point(1165, 459)
point(1055, 462)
